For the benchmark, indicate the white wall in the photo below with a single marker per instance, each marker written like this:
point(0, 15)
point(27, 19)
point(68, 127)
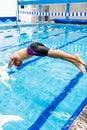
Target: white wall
point(25, 17)
point(8, 8)
point(57, 8)
point(80, 7)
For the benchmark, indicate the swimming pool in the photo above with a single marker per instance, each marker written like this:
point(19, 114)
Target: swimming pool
point(43, 93)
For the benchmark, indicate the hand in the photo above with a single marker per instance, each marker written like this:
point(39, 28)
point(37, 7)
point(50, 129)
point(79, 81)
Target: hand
point(14, 61)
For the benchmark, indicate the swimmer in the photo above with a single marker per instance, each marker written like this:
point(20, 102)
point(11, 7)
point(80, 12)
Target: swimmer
point(39, 49)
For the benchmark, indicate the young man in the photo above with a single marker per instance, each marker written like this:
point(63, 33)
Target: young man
point(39, 49)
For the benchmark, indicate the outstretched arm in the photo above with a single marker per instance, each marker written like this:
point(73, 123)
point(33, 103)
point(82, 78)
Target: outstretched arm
point(19, 57)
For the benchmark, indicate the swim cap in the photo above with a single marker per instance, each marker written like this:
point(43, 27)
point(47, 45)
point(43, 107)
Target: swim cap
point(17, 62)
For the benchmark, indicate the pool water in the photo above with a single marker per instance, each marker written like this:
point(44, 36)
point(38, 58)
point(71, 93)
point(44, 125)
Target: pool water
point(43, 93)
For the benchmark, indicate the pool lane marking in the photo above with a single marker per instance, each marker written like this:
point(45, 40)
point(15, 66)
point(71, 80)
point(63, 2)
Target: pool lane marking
point(45, 31)
point(9, 36)
point(52, 35)
point(10, 46)
point(72, 42)
point(40, 121)
point(30, 61)
point(24, 65)
point(5, 47)
point(75, 115)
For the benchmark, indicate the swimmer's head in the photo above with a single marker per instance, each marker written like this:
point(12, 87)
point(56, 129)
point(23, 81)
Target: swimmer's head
point(17, 62)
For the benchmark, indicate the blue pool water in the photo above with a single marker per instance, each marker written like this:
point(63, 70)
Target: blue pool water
point(43, 93)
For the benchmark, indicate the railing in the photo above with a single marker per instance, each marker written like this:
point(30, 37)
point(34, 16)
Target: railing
point(37, 13)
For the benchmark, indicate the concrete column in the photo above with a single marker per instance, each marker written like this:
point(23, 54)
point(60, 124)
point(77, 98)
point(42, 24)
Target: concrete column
point(39, 9)
point(67, 9)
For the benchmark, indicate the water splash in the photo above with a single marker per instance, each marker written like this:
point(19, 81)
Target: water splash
point(8, 118)
point(4, 76)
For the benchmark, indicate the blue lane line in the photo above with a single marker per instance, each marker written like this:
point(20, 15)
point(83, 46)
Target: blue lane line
point(52, 35)
point(48, 111)
point(72, 42)
point(9, 36)
point(23, 34)
point(10, 46)
point(75, 115)
point(24, 65)
point(5, 47)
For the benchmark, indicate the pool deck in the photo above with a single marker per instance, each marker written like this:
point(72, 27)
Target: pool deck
point(81, 122)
